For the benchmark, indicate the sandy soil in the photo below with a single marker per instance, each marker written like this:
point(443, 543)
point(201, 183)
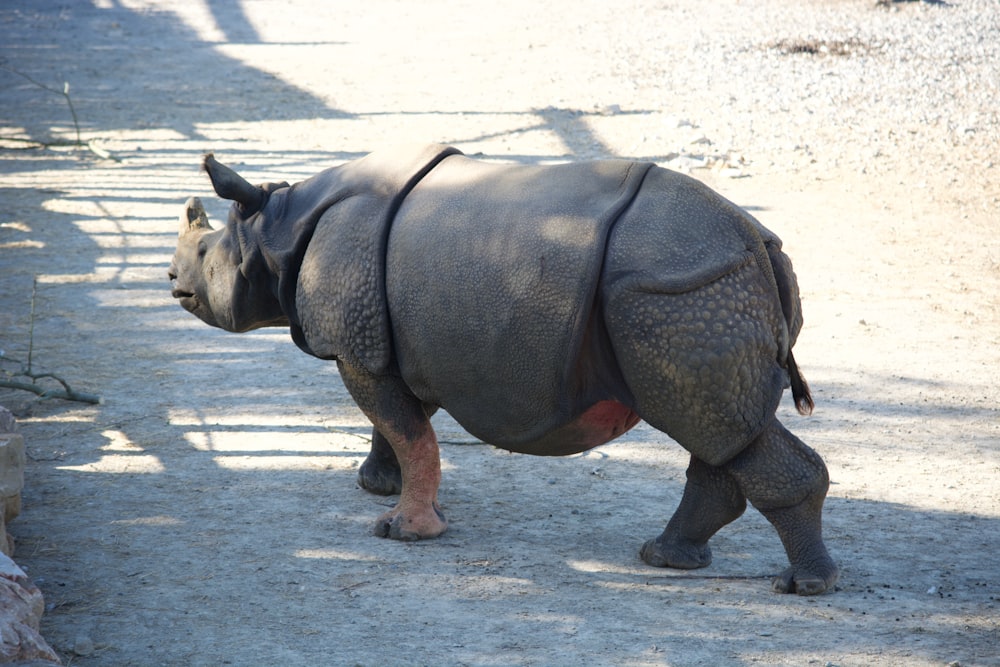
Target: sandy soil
point(206, 513)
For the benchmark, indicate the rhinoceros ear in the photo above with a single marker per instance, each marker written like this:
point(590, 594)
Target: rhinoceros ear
point(230, 185)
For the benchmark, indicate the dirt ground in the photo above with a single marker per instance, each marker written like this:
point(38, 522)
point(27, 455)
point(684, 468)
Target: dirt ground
point(207, 514)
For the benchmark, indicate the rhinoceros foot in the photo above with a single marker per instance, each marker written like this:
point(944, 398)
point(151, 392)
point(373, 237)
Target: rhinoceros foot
point(411, 523)
point(380, 473)
point(380, 479)
point(806, 582)
point(682, 555)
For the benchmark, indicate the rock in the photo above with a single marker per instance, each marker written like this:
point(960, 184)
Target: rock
point(7, 422)
point(12, 462)
point(21, 607)
point(83, 646)
point(21, 603)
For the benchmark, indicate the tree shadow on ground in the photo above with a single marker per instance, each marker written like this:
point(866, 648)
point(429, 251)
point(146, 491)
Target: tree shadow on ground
point(132, 95)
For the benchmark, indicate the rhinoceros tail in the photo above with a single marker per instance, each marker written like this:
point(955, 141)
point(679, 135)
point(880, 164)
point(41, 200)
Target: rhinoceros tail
point(800, 389)
point(791, 307)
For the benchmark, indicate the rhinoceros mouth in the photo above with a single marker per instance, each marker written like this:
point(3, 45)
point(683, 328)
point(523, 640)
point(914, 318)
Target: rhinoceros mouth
point(187, 300)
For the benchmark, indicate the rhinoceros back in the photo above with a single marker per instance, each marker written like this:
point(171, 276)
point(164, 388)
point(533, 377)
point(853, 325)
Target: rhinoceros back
point(491, 275)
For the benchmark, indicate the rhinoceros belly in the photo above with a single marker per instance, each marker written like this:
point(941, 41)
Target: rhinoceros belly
point(491, 275)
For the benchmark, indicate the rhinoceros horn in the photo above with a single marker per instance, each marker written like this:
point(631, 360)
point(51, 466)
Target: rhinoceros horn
point(230, 185)
point(194, 216)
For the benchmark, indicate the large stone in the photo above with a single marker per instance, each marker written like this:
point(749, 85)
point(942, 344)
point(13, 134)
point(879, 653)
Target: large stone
point(21, 607)
point(21, 603)
point(12, 462)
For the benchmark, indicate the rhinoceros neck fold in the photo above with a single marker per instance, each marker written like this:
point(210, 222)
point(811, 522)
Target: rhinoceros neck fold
point(338, 223)
point(278, 237)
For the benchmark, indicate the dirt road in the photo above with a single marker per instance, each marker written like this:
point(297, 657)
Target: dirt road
point(206, 513)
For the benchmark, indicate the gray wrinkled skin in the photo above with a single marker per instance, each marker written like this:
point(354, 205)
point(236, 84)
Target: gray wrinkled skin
point(547, 308)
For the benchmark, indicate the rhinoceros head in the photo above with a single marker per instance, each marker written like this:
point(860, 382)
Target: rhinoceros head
point(217, 274)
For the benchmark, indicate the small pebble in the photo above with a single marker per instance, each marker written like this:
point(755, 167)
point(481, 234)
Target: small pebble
point(83, 646)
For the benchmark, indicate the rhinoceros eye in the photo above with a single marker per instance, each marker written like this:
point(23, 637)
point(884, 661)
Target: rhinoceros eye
point(202, 249)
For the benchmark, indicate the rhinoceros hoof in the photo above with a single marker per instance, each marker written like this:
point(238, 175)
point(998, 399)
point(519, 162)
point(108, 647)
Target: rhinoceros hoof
point(805, 582)
point(380, 479)
point(682, 555)
point(411, 525)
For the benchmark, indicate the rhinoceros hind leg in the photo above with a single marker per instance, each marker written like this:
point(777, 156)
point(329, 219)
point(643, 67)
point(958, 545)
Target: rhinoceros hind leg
point(812, 571)
point(380, 474)
point(711, 500)
point(787, 482)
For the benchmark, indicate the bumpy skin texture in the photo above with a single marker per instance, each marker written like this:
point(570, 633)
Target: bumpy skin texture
point(548, 309)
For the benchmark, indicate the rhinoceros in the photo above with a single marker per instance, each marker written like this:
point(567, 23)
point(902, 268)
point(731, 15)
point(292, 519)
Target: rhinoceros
point(547, 308)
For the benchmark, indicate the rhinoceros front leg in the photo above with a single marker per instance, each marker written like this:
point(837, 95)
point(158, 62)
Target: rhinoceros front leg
point(403, 422)
point(380, 472)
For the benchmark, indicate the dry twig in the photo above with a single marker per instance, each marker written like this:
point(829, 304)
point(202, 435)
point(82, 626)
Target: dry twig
point(100, 152)
point(25, 370)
